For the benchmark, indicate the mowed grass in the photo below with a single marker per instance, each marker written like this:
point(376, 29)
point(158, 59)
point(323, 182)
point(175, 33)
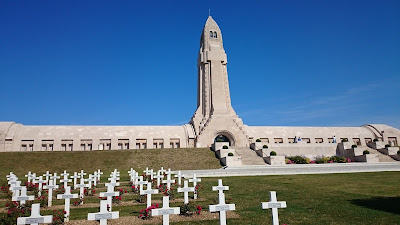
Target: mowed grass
point(358, 198)
point(89, 161)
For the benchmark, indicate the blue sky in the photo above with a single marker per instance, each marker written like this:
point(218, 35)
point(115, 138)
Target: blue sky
point(290, 63)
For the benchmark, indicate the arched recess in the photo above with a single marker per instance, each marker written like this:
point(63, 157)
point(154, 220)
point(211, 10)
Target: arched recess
point(225, 135)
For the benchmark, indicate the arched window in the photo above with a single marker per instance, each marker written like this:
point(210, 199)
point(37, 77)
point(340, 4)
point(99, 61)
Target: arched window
point(215, 34)
point(211, 34)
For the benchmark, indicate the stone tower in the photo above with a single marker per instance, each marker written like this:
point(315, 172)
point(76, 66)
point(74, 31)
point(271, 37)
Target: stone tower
point(215, 116)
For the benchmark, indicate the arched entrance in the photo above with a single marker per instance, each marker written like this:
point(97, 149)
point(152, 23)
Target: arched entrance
point(225, 136)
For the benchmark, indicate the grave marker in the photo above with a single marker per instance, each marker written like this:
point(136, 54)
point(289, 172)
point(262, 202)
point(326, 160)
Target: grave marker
point(109, 194)
point(221, 207)
point(81, 187)
point(67, 196)
point(75, 177)
point(165, 211)
point(149, 192)
point(40, 182)
point(50, 186)
point(168, 181)
point(194, 180)
point(179, 176)
point(274, 205)
point(220, 188)
point(104, 214)
point(186, 189)
point(35, 217)
point(22, 198)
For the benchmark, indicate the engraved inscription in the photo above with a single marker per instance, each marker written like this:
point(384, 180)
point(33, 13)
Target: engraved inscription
point(67, 196)
point(166, 211)
point(103, 216)
point(274, 205)
point(34, 220)
point(222, 207)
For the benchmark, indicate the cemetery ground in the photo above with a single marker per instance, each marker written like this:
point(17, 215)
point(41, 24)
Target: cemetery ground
point(353, 198)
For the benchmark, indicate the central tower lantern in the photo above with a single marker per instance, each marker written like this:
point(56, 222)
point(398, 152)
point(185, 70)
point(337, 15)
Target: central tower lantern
point(215, 116)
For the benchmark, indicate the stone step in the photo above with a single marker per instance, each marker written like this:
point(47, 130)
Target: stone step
point(249, 157)
point(382, 157)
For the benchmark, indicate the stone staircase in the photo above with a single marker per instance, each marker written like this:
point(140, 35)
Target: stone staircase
point(382, 157)
point(249, 157)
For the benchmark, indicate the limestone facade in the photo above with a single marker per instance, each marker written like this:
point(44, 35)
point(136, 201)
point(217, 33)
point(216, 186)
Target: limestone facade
point(213, 118)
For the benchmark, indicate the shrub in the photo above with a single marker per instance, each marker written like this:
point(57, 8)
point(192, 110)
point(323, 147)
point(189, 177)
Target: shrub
point(145, 214)
point(354, 146)
point(365, 152)
point(265, 146)
point(272, 153)
point(219, 140)
point(398, 152)
point(297, 159)
point(230, 154)
point(320, 160)
point(338, 159)
point(345, 140)
point(376, 140)
point(258, 140)
point(225, 147)
point(387, 146)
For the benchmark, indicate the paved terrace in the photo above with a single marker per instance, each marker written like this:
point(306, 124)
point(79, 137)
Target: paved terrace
point(297, 169)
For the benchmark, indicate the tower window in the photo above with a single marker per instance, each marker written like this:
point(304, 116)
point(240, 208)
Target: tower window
point(215, 34)
point(211, 34)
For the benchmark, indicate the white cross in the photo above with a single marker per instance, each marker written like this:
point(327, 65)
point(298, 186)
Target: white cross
point(148, 192)
point(194, 180)
point(81, 187)
point(109, 194)
point(50, 186)
point(95, 176)
point(15, 188)
point(151, 173)
point(40, 182)
point(35, 217)
point(179, 176)
point(75, 176)
point(23, 197)
point(67, 196)
point(47, 175)
point(146, 171)
point(64, 173)
point(158, 177)
point(99, 173)
point(54, 177)
point(90, 179)
point(186, 189)
point(274, 205)
point(220, 188)
point(81, 174)
point(162, 171)
point(104, 214)
point(29, 176)
point(65, 180)
point(165, 211)
point(141, 182)
point(168, 181)
point(221, 208)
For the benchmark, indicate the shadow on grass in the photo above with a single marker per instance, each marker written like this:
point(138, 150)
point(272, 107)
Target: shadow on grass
point(388, 204)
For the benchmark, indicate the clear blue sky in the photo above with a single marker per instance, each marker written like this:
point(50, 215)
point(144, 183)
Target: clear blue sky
point(290, 63)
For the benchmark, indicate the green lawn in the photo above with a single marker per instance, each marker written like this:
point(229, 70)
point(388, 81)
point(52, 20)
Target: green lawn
point(358, 198)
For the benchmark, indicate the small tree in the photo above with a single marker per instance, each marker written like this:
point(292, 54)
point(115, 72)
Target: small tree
point(225, 147)
point(354, 146)
point(230, 154)
point(365, 152)
point(272, 153)
point(345, 140)
point(258, 140)
point(265, 146)
point(375, 140)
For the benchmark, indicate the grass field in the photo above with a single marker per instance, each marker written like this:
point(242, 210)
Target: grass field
point(358, 198)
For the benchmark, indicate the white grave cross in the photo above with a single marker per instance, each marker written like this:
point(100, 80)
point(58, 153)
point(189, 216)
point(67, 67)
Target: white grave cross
point(109, 194)
point(141, 182)
point(165, 211)
point(67, 196)
point(158, 177)
point(81, 187)
point(35, 217)
point(40, 182)
point(221, 208)
point(186, 191)
point(194, 180)
point(220, 188)
point(23, 197)
point(149, 192)
point(168, 181)
point(179, 176)
point(75, 177)
point(50, 186)
point(274, 205)
point(104, 214)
